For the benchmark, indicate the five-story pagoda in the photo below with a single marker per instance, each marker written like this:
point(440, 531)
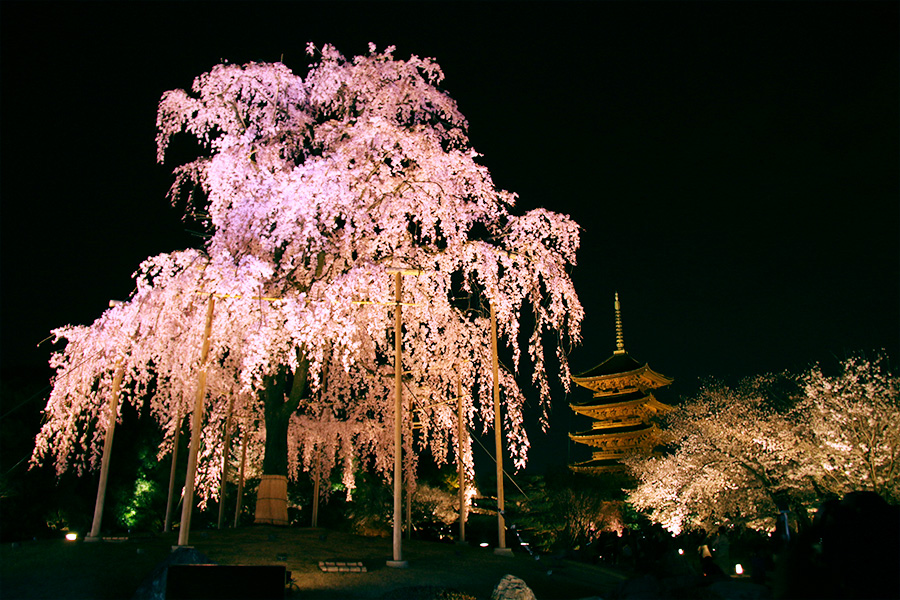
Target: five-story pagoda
point(621, 408)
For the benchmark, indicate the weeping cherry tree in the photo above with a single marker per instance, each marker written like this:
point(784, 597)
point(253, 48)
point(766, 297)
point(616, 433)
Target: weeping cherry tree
point(314, 191)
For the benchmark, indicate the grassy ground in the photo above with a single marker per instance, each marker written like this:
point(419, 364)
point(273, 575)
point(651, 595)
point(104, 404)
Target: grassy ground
point(107, 570)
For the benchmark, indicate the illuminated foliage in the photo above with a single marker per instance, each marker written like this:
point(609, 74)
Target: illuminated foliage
point(565, 510)
point(854, 420)
point(734, 457)
point(773, 443)
point(312, 189)
point(431, 503)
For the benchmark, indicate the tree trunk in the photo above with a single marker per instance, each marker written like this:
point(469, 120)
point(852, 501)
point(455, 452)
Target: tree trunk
point(277, 421)
point(280, 404)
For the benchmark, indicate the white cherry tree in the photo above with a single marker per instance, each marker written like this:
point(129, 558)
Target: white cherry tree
point(854, 419)
point(775, 443)
point(732, 456)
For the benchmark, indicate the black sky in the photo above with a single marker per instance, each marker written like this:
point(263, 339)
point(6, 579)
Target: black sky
point(734, 165)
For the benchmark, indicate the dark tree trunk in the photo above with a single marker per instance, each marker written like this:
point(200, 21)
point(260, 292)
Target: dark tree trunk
point(277, 420)
point(281, 397)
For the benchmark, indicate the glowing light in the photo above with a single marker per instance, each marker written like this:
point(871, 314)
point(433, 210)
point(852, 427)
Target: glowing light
point(739, 569)
point(484, 544)
point(681, 551)
point(71, 536)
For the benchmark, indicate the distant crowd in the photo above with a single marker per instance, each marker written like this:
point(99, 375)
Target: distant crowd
point(850, 550)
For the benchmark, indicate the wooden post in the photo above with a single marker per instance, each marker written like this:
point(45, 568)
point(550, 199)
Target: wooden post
point(398, 424)
point(498, 438)
point(315, 506)
point(107, 451)
point(240, 491)
point(317, 452)
point(410, 482)
point(225, 451)
point(170, 504)
point(196, 426)
point(460, 438)
point(409, 495)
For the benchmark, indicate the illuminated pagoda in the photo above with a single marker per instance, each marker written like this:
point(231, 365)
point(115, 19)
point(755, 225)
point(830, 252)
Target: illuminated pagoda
point(621, 408)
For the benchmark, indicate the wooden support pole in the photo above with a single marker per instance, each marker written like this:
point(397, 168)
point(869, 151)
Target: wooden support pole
point(240, 491)
point(498, 436)
point(461, 440)
point(398, 425)
point(410, 482)
point(226, 450)
point(170, 504)
point(409, 495)
point(107, 451)
point(316, 476)
point(196, 426)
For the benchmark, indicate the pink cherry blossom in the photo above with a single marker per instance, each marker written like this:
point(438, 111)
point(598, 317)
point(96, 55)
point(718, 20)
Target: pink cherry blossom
point(312, 189)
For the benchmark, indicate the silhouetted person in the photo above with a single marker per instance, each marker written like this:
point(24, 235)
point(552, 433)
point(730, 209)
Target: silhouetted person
point(852, 551)
point(708, 563)
point(721, 549)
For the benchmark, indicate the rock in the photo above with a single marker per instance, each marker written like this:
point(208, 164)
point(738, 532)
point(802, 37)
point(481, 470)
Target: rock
point(512, 588)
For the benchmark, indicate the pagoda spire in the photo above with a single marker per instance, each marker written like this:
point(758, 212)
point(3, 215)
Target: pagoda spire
point(620, 340)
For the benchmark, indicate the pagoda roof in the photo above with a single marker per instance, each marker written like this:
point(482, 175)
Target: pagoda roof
point(599, 405)
point(611, 431)
point(621, 374)
point(604, 417)
point(623, 399)
point(597, 465)
point(620, 362)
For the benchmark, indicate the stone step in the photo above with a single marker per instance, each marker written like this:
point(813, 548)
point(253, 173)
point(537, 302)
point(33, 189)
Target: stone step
point(341, 566)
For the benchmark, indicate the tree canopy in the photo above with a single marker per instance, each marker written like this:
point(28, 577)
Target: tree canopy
point(313, 190)
point(774, 443)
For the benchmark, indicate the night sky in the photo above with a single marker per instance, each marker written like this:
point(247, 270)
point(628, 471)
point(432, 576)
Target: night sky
point(733, 165)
